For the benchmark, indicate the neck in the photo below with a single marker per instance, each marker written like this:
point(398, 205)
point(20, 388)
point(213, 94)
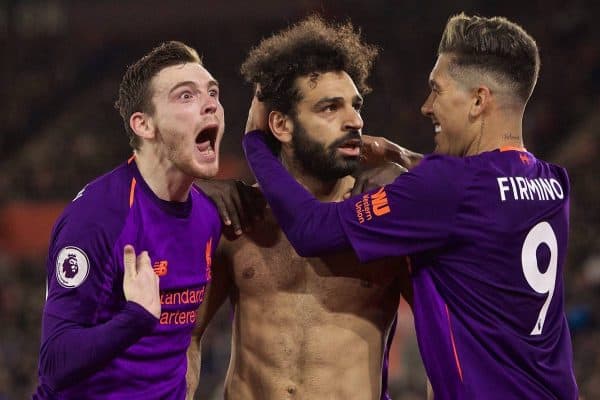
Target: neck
point(323, 190)
point(164, 179)
point(497, 131)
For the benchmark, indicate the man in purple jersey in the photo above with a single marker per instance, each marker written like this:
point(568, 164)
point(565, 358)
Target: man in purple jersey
point(314, 328)
point(113, 329)
point(484, 222)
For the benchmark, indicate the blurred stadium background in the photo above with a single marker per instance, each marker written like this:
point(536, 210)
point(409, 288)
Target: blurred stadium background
point(61, 65)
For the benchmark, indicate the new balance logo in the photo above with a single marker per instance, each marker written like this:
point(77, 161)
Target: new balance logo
point(380, 203)
point(160, 267)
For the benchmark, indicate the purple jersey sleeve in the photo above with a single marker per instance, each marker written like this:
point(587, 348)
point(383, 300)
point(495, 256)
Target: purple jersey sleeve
point(413, 214)
point(404, 217)
point(95, 345)
point(78, 268)
point(79, 272)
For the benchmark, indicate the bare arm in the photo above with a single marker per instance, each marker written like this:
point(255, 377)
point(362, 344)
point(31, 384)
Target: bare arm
point(406, 289)
point(216, 293)
point(429, 390)
point(192, 375)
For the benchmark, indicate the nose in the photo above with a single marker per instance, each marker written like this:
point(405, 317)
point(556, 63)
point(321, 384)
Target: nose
point(426, 108)
point(210, 106)
point(354, 121)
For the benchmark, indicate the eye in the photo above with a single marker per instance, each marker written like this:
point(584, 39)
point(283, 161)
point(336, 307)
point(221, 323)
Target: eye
point(330, 107)
point(213, 92)
point(187, 95)
point(357, 106)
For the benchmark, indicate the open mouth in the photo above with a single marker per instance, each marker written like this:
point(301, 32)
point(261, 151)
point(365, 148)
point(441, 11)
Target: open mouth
point(207, 137)
point(351, 147)
point(437, 128)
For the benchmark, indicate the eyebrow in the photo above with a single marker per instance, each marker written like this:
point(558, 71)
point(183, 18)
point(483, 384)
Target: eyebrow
point(211, 83)
point(324, 100)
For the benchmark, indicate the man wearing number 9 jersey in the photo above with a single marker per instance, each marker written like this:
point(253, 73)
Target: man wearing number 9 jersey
point(485, 224)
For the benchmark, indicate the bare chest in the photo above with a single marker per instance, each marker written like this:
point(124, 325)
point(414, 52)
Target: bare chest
point(265, 262)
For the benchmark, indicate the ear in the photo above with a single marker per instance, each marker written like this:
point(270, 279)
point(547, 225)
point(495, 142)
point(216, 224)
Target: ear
point(142, 125)
point(481, 101)
point(281, 126)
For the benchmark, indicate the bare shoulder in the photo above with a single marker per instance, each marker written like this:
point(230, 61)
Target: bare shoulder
point(265, 234)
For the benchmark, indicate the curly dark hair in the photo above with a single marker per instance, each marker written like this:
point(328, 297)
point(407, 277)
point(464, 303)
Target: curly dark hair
point(309, 47)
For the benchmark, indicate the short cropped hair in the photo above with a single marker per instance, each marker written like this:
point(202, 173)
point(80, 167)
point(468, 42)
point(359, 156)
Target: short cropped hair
point(309, 47)
point(135, 94)
point(493, 47)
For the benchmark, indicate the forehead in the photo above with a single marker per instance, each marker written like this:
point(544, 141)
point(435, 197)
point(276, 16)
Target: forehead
point(440, 68)
point(328, 84)
point(170, 76)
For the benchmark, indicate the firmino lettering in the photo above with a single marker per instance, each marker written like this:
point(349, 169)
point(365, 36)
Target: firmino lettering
point(521, 188)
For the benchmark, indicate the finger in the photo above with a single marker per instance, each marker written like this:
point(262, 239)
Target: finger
point(359, 185)
point(259, 206)
point(257, 116)
point(367, 140)
point(233, 217)
point(129, 261)
point(222, 210)
point(156, 282)
point(238, 206)
point(250, 125)
point(372, 150)
point(250, 202)
point(258, 203)
point(143, 261)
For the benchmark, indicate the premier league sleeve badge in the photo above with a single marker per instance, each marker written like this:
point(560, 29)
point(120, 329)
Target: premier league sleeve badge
point(72, 267)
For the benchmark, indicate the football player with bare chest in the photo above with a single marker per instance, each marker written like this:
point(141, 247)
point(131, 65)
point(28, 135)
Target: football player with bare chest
point(306, 328)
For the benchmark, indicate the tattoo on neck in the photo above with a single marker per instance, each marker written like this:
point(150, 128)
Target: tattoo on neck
point(510, 136)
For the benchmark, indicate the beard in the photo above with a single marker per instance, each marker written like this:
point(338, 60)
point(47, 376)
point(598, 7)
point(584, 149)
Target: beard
point(173, 148)
point(319, 161)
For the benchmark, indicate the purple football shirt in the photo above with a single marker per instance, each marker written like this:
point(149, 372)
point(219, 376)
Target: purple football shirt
point(487, 238)
point(85, 286)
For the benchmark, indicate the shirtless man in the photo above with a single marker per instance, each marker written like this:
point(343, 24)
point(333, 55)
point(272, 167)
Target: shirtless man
point(306, 328)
